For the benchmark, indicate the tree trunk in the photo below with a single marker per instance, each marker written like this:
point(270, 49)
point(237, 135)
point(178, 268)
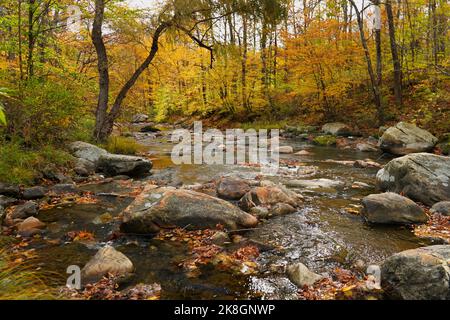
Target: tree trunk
point(377, 28)
point(31, 38)
point(373, 81)
point(104, 120)
point(395, 58)
point(101, 121)
point(264, 56)
point(19, 22)
point(244, 62)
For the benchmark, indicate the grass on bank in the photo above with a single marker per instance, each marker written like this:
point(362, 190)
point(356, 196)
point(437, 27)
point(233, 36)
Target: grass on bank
point(20, 165)
point(123, 145)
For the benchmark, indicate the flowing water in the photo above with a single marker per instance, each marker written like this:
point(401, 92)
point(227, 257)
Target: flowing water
point(324, 234)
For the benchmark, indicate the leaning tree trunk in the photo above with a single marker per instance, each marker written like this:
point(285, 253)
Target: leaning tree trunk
point(105, 120)
point(116, 107)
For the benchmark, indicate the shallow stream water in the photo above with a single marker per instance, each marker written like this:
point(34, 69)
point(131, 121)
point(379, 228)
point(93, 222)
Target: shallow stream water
point(324, 234)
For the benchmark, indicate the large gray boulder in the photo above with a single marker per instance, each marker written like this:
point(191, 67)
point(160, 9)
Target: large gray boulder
point(337, 129)
point(92, 157)
point(87, 151)
point(418, 274)
point(392, 208)
point(422, 177)
point(84, 167)
point(169, 207)
point(115, 164)
point(405, 138)
point(106, 261)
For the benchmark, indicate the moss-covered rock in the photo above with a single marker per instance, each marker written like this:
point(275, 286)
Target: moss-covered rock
point(325, 140)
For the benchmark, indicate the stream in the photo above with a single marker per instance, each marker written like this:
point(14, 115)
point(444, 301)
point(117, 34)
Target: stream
point(326, 233)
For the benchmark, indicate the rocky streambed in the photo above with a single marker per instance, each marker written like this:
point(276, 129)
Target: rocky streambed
point(309, 213)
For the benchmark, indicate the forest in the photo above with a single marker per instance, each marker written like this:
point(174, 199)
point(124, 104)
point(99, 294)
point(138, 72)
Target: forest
point(92, 92)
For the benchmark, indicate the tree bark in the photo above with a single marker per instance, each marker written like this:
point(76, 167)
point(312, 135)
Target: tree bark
point(101, 131)
point(378, 41)
point(244, 62)
point(394, 52)
point(373, 81)
point(105, 120)
point(19, 22)
point(31, 38)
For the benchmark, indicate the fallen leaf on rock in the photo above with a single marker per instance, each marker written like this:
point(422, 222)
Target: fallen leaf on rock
point(107, 289)
point(343, 285)
point(438, 227)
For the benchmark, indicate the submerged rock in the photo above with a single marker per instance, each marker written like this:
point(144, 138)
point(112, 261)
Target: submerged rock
point(442, 207)
point(418, 274)
point(422, 177)
point(337, 129)
point(285, 150)
point(366, 164)
point(169, 207)
point(232, 188)
point(392, 208)
point(106, 261)
point(30, 227)
point(314, 184)
point(405, 138)
point(301, 276)
point(303, 153)
point(366, 147)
